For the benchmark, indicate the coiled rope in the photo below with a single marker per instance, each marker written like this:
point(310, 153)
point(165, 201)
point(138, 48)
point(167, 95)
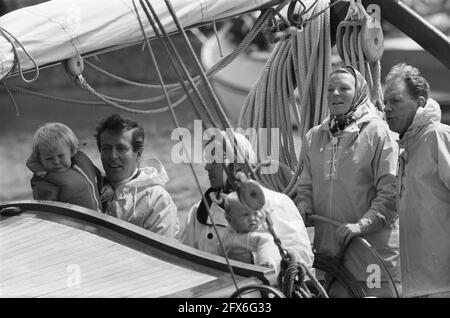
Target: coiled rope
point(293, 272)
point(304, 59)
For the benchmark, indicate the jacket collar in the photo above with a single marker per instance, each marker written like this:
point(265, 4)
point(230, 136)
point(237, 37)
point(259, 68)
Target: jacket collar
point(430, 113)
point(202, 212)
point(364, 114)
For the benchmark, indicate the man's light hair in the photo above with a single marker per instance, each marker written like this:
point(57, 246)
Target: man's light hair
point(416, 83)
point(53, 135)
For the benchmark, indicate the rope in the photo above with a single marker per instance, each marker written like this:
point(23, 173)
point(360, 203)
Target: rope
point(305, 58)
point(293, 272)
point(152, 17)
point(12, 40)
point(104, 103)
point(11, 97)
point(213, 97)
point(174, 117)
point(217, 38)
point(292, 280)
point(85, 85)
point(124, 80)
point(180, 68)
point(114, 102)
point(50, 97)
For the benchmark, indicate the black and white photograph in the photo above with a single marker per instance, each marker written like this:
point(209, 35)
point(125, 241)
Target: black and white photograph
point(224, 149)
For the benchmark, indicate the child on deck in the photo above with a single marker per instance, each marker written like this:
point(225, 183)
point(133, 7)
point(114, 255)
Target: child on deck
point(243, 239)
point(60, 171)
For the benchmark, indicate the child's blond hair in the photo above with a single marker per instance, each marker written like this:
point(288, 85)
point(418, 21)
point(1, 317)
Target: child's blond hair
point(52, 135)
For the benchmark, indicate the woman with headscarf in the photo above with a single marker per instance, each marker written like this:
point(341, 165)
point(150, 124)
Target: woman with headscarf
point(349, 176)
point(198, 232)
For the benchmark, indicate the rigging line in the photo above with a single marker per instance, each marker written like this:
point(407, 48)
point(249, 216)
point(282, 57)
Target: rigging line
point(135, 101)
point(176, 87)
point(210, 91)
point(243, 45)
point(321, 11)
point(199, 35)
point(187, 95)
point(7, 36)
point(49, 97)
point(174, 117)
point(215, 102)
point(282, 5)
point(82, 81)
point(191, 51)
point(260, 23)
point(229, 133)
point(11, 97)
point(217, 38)
point(310, 7)
point(84, 102)
point(126, 81)
point(169, 45)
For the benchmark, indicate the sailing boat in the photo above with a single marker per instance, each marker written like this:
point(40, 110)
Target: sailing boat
point(121, 259)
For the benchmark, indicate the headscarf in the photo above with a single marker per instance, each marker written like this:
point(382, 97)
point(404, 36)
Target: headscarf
point(339, 122)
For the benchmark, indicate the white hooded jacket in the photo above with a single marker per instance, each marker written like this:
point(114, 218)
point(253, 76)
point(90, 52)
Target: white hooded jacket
point(423, 200)
point(287, 224)
point(144, 202)
point(199, 232)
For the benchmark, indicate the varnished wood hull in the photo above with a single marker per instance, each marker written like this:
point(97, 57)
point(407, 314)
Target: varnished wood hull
point(51, 249)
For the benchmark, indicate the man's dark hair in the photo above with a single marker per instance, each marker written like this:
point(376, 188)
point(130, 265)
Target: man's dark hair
point(416, 83)
point(116, 124)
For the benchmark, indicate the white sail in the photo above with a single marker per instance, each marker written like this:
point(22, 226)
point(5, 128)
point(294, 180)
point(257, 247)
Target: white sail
point(59, 29)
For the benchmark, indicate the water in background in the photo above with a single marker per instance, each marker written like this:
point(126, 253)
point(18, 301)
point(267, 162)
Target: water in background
point(16, 133)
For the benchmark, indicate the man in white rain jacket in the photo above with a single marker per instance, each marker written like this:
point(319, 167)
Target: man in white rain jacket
point(133, 194)
point(423, 183)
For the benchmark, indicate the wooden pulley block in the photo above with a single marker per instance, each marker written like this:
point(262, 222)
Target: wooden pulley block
point(250, 193)
point(74, 66)
point(345, 27)
point(372, 40)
